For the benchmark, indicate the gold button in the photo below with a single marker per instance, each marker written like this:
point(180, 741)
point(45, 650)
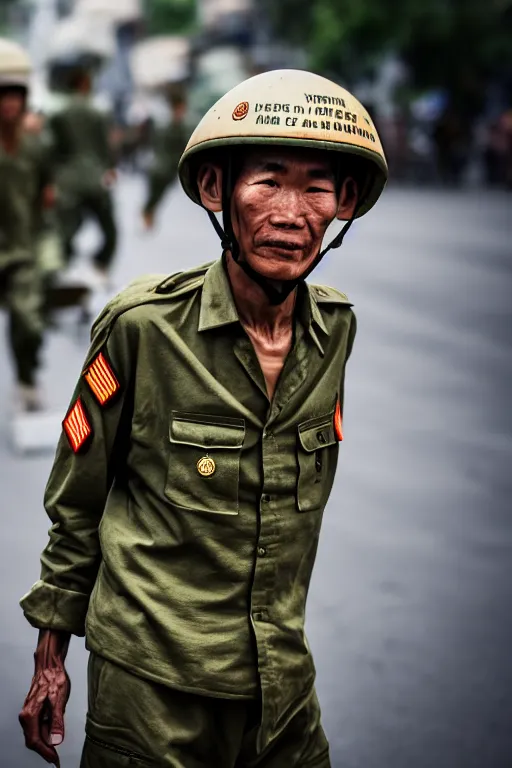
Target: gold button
point(206, 466)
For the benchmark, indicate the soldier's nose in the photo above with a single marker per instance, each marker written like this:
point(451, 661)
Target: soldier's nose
point(288, 213)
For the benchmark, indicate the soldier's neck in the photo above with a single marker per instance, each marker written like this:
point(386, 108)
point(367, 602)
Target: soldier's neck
point(254, 308)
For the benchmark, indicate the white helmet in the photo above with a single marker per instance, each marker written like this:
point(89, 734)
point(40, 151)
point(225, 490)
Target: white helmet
point(15, 65)
point(295, 108)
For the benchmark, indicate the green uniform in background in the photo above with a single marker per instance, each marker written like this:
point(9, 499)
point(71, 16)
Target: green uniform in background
point(48, 242)
point(82, 154)
point(169, 146)
point(186, 511)
point(23, 176)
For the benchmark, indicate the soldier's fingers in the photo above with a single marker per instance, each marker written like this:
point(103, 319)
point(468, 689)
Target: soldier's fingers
point(31, 727)
point(58, 698)
point(56, 729)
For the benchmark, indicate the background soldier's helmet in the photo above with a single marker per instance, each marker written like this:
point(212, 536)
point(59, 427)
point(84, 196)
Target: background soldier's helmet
point(15, 65)
point(294, 108)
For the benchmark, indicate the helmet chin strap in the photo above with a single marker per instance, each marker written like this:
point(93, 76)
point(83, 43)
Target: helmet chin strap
point(276, 296)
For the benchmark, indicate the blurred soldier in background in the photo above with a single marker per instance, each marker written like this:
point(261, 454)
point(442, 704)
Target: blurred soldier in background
point(452, 139)
point(48, 243)
point(25, 191)
point(169, 146)
point(85, 164)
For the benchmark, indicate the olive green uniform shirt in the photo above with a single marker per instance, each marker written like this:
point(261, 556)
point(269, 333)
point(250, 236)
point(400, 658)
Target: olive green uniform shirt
point(79, 136)
point(198, 582)
point(169, 147)
point(23, 175)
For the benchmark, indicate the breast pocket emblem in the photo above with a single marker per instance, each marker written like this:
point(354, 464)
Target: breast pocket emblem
point(206, 466)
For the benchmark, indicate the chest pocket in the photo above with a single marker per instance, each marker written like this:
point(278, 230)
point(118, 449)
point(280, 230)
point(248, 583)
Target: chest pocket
point(316, 447)
point(204, 462)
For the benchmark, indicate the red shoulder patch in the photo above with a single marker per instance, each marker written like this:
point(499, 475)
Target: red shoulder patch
point(77, 427)
point(338, 422)
point(102, 380)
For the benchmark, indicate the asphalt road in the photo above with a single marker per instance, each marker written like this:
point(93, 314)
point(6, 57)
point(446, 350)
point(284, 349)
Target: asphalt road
point(409, 615)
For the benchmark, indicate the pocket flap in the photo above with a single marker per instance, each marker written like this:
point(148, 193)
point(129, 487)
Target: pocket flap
point(317, 433)
point(206, 431)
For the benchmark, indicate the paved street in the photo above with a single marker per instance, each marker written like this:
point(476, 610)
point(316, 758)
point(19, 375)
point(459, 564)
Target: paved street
point(409, 613)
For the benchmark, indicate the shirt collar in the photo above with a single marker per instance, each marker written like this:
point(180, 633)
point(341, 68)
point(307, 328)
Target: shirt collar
point(218, 306)
point(217, 302)
point(313, 319)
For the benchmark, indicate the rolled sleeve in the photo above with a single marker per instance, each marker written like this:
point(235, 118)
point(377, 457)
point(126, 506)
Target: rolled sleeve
point(48, 607)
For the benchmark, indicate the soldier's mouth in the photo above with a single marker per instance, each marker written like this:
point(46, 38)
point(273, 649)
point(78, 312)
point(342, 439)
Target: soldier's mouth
point(280, 245)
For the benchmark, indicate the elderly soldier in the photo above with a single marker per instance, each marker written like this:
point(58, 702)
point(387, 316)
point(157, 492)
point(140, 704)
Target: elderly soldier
point(25, 189)
point(198, 454)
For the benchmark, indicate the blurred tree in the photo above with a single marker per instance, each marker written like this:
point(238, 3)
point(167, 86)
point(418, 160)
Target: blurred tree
point(170, 16)
point(458, 44)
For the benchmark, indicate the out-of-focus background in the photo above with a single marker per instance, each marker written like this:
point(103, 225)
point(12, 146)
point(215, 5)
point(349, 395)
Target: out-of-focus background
point(409, 612)
point(435, 76)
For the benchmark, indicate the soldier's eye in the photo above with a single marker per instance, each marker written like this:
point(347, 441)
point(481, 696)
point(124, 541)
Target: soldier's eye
point(268, 182)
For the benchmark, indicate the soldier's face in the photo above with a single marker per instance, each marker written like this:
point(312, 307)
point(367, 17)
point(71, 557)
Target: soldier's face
point(283, 201)
point(12, 106)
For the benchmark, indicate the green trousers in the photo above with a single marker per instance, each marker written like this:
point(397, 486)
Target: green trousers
point(75, 207)
point(21, 293)
point(138, 723)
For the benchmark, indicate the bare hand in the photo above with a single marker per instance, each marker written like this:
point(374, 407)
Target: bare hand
point(110, 177)
point(148, 218)
point(49, 196)
point(42, 716)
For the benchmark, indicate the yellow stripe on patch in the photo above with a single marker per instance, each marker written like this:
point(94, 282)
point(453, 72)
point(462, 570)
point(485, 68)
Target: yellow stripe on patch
point(101, 380)
point(76, 426)
point(338, 422)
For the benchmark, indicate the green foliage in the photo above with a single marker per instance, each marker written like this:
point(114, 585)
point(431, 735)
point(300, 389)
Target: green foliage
point(454, 43)
point(170, 16)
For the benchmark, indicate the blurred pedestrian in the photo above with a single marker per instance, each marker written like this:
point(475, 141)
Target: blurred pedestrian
point(451, 137)
point(85, 165)
point(498, 151)
point(25, 191)
point(169, 145)
point(48, 242)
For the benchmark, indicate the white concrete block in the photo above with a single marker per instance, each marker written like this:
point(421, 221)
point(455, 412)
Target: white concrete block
point(35, 432)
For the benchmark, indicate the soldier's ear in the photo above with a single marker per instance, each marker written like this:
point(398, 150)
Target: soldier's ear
point(347, 200)
point(209, 182)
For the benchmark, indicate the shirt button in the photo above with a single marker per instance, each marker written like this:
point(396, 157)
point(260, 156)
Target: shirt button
point(262, 551)
point(260, 615)
point(265, 498)
point(321, 437)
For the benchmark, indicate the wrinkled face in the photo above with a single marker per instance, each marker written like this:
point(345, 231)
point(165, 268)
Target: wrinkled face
point(12, 106)
point(282, 203)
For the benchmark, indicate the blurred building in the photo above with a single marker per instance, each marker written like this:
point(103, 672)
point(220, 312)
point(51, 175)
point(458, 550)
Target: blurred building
point(107, 28)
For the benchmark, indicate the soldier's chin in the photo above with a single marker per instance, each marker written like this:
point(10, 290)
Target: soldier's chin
point(280, 265)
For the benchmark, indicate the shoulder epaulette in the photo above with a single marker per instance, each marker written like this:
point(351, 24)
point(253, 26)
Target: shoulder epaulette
point(324, 294)
point(143, 290)
point(183, 280)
